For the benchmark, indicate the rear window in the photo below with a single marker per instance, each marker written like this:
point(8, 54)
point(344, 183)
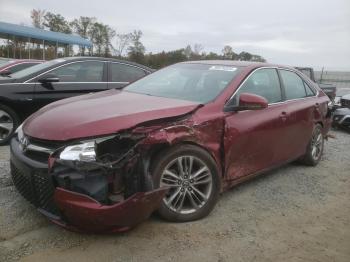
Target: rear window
point(293, 85)
point(125, 73)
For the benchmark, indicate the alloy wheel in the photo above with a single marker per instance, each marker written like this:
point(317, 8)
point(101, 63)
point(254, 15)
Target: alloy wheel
point(317, 144)
point(190, 184)
point(6, 125)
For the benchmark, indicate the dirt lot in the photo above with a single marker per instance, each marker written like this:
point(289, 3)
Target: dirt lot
point(295, 213)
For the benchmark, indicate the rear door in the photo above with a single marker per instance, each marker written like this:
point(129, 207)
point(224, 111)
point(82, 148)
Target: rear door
point(75, 78)
point(121, 74)
point(302, 107)
point(253, 138)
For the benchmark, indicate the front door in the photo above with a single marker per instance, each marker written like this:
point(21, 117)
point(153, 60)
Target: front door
point(75, 78)
point(253, 138)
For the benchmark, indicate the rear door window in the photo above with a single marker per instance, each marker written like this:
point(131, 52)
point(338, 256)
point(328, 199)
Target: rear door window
point(309, 90)
point(89, 71)
point(263, 82)
point(293, 85)
point(125, 73)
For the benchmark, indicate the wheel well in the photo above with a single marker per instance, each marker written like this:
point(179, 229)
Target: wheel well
point(319, 122)
point(157, 149)
point(5, 103)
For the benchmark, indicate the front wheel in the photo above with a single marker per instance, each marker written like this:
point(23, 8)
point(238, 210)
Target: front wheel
point(192, 177)
point(315, 147)
point(8, 124)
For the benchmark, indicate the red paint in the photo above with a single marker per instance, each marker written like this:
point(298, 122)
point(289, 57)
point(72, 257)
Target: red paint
point(17, 62)
point(85, 213)
point(242, 143)
point(99, 114)
point(246, 99)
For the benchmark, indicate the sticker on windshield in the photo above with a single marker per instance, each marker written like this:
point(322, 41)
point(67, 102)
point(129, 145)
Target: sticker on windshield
point(223, 68)
point(59, 60)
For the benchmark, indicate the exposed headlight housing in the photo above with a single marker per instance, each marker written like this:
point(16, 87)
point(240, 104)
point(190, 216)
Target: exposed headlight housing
point(19, 133)
point(84, 152)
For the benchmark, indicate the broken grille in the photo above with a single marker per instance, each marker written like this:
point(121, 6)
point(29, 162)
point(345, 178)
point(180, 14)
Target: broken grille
point(36, 187)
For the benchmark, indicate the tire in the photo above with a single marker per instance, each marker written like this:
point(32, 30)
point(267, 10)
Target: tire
point(9, 122)
point(201, 175)
point(311, 157)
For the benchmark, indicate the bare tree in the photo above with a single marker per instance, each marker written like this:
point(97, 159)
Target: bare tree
point(109, 34)
point(82, 26)
point(188, 51)
point(101, 36)
point(37, 16)
point(136, 51)
point(137, 46)
point(122, 42)
point(227, 52)
point(197, 49)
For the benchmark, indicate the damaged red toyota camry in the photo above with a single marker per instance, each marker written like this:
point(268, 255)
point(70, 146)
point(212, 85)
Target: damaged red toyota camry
point(170, 142)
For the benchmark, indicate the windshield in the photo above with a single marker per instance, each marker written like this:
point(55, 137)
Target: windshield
point(193, 82)
point(36, 68)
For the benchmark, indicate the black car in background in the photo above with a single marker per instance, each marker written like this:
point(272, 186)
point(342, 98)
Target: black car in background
point(28, 90)
point(10, 66)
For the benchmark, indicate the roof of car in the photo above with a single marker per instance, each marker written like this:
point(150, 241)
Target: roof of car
point(107, 59)
point(233, 63)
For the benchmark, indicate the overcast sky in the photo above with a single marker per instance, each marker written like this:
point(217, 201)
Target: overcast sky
point(294, 32)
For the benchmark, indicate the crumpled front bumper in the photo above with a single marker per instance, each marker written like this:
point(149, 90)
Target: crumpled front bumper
point(76, 211)
point(83, 213)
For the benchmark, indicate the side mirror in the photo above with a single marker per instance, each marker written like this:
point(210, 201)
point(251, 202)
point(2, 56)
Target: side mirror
point(249, 101)
point(49, 78)
point(5, 73)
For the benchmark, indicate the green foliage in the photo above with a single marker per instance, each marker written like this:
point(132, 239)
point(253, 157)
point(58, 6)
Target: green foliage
point(82, 27)
point(163, 59)
point(136, 50)
point(56, 23)
point(102, 36)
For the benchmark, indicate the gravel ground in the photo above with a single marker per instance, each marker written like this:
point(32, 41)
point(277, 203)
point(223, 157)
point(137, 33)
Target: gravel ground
point(295, 213)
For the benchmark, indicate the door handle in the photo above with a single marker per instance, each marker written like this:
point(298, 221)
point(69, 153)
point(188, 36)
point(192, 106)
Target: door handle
point(317, 105)
point(284, 116)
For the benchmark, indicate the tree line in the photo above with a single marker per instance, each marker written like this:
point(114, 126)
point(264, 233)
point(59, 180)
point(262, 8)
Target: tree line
point(108, 43)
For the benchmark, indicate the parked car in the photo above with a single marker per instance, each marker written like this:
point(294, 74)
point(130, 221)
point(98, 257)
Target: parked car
point(10, 66)
point(26, 91)
point(341, 112)
point(329, 89)
point(170, 142)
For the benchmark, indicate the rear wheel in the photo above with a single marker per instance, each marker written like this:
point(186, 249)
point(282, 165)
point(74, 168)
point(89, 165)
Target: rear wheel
point(192, 177)
point(315, 147)
point(8, 123)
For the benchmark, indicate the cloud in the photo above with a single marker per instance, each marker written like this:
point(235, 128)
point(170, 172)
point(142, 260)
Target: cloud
point(302, 32)
point(281, 45)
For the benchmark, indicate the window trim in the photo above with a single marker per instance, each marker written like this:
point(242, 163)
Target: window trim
point(301, 78)
point(281, 85)
point(109, 70)
point(73, 62)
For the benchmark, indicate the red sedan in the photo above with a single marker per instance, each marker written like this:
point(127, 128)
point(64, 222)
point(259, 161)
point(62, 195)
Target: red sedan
point(10, 66)
point(170, 142)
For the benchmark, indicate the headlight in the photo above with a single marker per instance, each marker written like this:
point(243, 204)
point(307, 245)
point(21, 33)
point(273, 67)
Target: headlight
point(82, 152)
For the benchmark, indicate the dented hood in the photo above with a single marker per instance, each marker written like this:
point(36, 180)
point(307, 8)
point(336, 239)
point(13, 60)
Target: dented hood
point(101, 114)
